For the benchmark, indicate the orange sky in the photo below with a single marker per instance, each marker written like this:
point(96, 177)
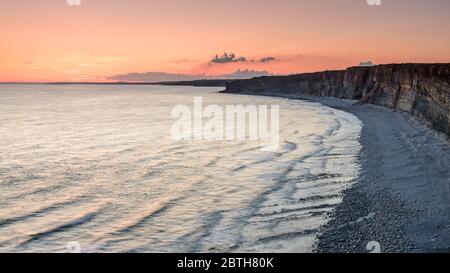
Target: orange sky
point(48, 40)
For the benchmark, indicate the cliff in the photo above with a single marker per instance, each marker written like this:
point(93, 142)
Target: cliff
point(423, 90)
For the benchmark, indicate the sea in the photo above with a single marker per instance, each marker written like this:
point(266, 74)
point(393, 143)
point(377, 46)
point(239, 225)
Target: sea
point(95, 168)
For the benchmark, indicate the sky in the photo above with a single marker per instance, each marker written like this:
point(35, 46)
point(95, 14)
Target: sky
point(110, 40)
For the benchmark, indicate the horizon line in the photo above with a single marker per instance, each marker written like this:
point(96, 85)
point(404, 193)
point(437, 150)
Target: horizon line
point(206, 79)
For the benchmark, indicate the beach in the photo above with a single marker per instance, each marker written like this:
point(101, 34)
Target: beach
point(347, 176)
point(401, 201)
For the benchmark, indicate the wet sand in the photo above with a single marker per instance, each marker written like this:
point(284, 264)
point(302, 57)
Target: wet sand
point(401, 200)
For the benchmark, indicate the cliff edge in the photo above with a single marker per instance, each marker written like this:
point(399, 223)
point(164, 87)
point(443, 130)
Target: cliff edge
point(423, 90)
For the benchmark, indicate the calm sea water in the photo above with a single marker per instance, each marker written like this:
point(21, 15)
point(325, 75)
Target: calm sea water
point(96, 164)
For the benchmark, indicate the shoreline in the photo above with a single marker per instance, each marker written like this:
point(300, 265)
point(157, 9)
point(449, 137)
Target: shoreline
point(401, 200)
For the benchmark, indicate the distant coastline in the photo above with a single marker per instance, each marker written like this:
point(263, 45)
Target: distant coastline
point(195, 83)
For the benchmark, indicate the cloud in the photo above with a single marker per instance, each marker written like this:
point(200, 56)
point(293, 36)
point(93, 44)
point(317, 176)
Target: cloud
point(227, 58)
point(367, 64)
point(245, 74)
point(153, 77)
point(267, 59)
point(167, 77)
point(231, 58)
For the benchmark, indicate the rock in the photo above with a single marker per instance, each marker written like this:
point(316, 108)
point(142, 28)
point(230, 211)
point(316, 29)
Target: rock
point(423, 90)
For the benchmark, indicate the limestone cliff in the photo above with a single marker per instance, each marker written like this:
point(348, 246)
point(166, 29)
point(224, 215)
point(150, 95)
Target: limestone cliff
point(422, 90)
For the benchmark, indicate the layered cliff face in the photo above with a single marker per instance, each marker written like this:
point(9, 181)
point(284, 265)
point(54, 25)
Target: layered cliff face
point(423, 90)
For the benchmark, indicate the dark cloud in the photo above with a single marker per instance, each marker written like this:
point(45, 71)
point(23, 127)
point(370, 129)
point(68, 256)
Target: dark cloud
point(231, 58)
point(227, 58)
point(167, 77)
point(267, 60)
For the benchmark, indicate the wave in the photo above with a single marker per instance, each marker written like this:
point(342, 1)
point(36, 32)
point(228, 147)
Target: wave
point(150, 212)
point(39, 212)
point(65, 226)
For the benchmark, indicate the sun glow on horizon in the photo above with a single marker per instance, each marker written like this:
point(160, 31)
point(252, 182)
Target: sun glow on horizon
point(50, 40)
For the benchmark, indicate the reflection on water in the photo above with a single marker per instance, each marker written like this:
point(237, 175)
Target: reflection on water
point(97, 165)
